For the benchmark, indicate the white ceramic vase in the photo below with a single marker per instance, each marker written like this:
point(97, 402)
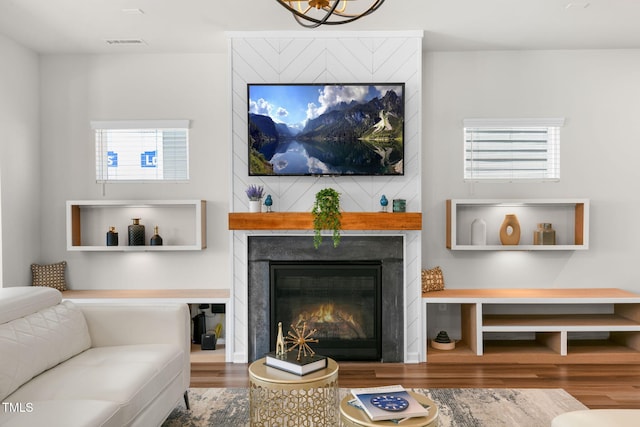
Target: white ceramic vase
point(255, 206)
point(478, 232)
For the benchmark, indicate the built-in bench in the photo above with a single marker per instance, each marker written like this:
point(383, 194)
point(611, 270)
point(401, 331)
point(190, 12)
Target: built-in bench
point(537, 325)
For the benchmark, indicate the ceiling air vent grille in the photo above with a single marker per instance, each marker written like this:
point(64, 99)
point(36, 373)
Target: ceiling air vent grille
point(124, 41)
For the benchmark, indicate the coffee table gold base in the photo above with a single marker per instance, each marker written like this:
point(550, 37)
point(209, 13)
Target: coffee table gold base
point(353, 417)
point(281, 399)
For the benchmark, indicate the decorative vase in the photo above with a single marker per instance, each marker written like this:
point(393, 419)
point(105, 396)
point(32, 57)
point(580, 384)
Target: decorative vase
point(478, 232)
point(112, 237)
point(399, 205)
point(544, 234)
point(510, 230)
point(136, 233)
point(254, 206)
point(156, 240)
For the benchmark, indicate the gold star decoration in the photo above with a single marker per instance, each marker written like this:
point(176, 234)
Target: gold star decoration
point(300, 338)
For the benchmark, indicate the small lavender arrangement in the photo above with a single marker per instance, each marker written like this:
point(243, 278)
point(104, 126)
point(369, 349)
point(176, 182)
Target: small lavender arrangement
point(255, 192)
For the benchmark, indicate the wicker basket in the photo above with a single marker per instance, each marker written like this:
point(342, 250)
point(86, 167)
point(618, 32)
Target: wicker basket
point(432, 280)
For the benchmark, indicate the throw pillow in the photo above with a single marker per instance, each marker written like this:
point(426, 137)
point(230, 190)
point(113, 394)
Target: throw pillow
point(432, 280)
point(50, 275)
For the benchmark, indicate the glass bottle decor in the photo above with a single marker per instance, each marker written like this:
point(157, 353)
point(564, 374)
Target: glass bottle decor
point(544, 234)
point(478, 232)
point(384, 202)
point(112, 237)
point(156, 240)
point(136, 233)
point(268, 202)
point(510, 230)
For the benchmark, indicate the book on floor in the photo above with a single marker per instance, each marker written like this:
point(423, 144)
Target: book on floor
point(290, 363)
point(388, 403)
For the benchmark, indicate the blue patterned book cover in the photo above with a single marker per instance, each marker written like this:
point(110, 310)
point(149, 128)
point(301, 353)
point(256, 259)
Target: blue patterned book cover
point(388, 403)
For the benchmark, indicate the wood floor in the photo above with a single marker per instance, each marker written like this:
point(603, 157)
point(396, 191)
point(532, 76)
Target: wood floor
point(596, 386)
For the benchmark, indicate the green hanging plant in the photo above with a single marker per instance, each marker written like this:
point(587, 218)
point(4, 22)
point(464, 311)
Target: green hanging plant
point(326, 215)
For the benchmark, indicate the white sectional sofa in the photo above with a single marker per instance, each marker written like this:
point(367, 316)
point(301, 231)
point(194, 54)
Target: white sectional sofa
point(598, 418)
point(65, 364)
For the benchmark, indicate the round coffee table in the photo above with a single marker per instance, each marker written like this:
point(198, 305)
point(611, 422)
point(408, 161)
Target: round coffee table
point(351, 416)
point(278, 398)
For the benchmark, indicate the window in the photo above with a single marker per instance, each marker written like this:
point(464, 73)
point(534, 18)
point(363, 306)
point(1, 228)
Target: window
point(512, 149)
point(146, 150)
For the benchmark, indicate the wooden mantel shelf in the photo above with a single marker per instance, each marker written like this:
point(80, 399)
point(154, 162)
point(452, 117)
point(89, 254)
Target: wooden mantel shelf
point(304, 221)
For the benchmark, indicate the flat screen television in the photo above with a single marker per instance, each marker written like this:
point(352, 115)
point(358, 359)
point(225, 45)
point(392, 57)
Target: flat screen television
point(326, 129)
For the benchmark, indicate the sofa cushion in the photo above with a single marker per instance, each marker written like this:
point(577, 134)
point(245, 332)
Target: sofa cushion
point(62, 413)
point(131, 376)
point(22, 300)
point(39, 341)
point(50, 275)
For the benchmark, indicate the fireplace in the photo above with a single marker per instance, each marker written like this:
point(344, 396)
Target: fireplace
point(384, 253)
point(340, 300)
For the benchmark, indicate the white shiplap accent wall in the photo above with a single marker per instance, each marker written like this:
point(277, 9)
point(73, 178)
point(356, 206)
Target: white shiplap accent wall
point(327, 57)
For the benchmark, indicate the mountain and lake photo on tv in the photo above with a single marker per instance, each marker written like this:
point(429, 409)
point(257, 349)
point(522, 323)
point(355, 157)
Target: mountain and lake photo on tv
point(326, 129)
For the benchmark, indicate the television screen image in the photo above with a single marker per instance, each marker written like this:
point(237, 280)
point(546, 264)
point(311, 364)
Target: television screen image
point(326, 129)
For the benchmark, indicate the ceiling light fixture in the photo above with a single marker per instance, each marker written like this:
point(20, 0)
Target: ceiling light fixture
point(313, 13)
point(133, 11)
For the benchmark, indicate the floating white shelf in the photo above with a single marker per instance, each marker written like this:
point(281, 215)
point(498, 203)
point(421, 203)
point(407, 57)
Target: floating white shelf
point(569, 217)
point(182, 224)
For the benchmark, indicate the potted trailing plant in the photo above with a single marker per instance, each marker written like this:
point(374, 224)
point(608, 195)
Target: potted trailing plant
point(255, 193)
point(326, 215)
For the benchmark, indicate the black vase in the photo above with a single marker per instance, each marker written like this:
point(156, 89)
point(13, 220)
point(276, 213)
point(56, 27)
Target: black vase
point(112, 237)
point(136, 233)
point(156, 240)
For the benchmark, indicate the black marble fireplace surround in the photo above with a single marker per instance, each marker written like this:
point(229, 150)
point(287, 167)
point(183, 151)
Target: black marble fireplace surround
point(386, 249)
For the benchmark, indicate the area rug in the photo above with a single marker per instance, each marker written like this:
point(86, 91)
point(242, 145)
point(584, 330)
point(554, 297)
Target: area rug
point(458, 407)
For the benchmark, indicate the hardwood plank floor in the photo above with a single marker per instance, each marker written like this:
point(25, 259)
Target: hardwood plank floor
point(596, 386)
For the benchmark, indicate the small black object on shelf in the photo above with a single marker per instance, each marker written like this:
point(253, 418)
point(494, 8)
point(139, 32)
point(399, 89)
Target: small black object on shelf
point(156, 240)
point(200, 324)
point(136, 233)
point(208, 342)
point(443, 337)
point(217, 308)
point(112, 237)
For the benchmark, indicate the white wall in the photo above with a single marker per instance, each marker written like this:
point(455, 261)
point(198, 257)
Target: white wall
point(19, 163)
point(596, 91)
point(599, 95)
point(77, 89)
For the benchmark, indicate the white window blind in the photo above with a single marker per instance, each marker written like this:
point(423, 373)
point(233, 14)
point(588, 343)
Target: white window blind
point(512, 149)
point(142, 150)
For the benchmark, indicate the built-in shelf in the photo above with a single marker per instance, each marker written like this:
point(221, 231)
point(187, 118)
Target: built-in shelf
point(182, 224)
point(304, 221)
point(505, 325)
point(186, 296)
point(569, 218)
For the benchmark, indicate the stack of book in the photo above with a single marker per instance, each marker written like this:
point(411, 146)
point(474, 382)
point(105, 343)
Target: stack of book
point(390, 403)
point(289, 362)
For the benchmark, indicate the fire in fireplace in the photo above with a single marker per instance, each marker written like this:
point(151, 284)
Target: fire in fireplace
point(340, 300)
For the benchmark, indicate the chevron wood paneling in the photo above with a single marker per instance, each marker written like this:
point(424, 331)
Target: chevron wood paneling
point(328, 57)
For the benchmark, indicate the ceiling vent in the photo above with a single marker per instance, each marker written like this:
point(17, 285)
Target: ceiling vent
point(124, 41)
